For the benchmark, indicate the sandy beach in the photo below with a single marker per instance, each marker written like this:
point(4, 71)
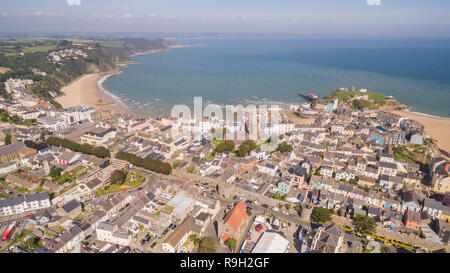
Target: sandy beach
point(436, 127)
point(85, 91)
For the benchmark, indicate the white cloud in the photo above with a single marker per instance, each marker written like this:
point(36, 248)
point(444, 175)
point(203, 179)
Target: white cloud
point(152, 15)
point(130, 16)
point(43, 13)
point(374, 2)
point(73, 2)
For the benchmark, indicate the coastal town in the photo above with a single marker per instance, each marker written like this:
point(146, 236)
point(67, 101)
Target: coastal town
point(347, 173)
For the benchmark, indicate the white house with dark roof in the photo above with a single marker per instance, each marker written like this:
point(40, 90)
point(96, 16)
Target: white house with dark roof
point(269, 169)
point(26, 203)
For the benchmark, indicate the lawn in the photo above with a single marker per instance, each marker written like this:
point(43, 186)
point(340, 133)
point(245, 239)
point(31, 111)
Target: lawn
point(22, 189)
point(126, 185)
point(378, 98)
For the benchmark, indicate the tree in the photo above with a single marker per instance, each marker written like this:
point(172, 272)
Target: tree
point(364, 224)
point(246, 147)
point(249, 212)
point(117, 177)
point(321, 215)
point(194, 239)
point(7, 139)
point(283, 148)
point(207, 245)
point(227, 145)
point(231, 242)
point(55, 172)
point(279, 196)
point(243, 150)
point(287, 206)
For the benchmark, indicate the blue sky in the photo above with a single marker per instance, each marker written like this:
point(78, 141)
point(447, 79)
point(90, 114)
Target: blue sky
point(328, 17)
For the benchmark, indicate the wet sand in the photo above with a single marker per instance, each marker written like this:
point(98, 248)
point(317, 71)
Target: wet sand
point(85, 91)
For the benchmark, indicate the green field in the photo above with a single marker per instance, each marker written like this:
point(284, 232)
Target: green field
point(34, 49)
point(110, 43)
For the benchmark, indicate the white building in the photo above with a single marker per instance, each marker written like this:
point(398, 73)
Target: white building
point(271, 242)
point(7, 167)
point(53, 123)
point(107, 232)
point(22, 204)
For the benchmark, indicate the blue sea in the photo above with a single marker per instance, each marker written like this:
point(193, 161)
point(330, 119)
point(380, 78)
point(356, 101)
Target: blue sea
point(242, 71)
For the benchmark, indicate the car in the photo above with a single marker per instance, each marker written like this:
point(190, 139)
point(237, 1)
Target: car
point(29, 214)
point(165, 231)
point(213, 190)
point(275, 209)
point(170, 226)
point(284, 212)
point(197, 185)
point(174, 227)
point(153, 245)
point(348, 232)
point(259, 227)
point(265, 206)
point(350, 244)
point(1, 188)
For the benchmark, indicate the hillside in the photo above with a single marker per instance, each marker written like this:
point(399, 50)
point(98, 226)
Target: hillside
point(52, 63)
point(369, 99)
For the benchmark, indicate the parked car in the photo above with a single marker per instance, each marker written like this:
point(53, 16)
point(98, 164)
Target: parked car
point(170, 226)
point(350, 244)
point(275, 209)
point(284, 212)
point(153, 245)
point(265, 206)
point(259, 227)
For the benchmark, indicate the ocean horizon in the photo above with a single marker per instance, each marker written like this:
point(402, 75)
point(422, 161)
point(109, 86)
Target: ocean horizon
point(271, 71)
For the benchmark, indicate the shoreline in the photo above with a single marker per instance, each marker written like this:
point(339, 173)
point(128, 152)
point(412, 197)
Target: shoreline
point(436, 127)
point(85, 90)
point(88, 89)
